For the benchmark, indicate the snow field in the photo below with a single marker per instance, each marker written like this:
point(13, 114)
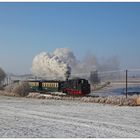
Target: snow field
point(28, 117)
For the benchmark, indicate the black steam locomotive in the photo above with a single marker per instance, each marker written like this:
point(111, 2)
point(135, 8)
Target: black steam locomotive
point(70, 87)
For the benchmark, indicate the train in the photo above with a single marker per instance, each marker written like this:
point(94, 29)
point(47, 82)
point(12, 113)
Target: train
point(70, 87)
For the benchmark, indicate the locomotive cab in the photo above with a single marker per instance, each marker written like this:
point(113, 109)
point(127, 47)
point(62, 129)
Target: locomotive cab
point(76, 87)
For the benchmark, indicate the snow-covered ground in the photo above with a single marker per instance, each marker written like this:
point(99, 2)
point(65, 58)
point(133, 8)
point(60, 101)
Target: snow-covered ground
point(24, 117)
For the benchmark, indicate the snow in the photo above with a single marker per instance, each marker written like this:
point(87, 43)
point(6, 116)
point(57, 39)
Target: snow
point(58, 93)
point(28, 117)
point(117, 89)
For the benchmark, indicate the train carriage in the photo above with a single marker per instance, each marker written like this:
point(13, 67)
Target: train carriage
point(52, 86)
point(43, 85)
point(35, 85)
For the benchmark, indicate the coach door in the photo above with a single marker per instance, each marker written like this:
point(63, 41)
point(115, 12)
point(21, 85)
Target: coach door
point(40, 86)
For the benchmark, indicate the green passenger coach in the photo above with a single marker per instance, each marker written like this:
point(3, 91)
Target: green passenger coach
point(48, 86)
point(51, 86)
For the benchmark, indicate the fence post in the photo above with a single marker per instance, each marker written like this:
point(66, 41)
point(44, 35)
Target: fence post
point(126, 83)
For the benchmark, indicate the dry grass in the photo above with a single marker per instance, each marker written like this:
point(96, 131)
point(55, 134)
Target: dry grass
point(33, 95)
point(43, 96)
point(114, 100)
point(138, 101)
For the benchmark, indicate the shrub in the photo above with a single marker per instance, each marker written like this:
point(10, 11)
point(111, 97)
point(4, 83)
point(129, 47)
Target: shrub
point(9, 88)
point(20, 89)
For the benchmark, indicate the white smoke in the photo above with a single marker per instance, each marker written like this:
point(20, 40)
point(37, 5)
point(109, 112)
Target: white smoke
point(66, 55)
point(63, 61)
point(49, 66)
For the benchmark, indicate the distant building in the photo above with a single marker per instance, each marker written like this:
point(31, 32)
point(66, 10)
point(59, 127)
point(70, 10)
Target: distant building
point(94, 79)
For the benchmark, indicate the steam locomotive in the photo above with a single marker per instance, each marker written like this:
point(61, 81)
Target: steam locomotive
point(70, 87)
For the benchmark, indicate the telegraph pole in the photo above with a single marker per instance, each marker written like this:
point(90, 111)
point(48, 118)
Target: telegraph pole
point(126, 83)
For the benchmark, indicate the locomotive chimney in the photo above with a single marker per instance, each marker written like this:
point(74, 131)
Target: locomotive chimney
point(67, 75)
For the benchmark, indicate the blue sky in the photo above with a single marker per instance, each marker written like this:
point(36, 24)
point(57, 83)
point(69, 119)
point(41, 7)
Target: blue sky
point(104, 29)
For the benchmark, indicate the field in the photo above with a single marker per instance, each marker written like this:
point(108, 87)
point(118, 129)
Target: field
point(26, 117)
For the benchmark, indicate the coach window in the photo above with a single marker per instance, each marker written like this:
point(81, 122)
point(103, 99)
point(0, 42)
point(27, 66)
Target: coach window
point(56, 84)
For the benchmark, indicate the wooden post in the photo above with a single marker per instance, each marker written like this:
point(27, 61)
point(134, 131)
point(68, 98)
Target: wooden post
point(126, 83)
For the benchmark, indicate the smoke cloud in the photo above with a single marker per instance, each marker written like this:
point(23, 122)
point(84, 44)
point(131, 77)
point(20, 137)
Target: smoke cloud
point(63, 61)
point(49, 66)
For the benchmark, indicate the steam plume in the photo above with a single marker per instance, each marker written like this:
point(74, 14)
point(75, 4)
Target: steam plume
point(50, 66)
point(63, 62)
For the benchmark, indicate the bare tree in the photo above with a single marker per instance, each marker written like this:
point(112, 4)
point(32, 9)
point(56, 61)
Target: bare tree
point(2, 76)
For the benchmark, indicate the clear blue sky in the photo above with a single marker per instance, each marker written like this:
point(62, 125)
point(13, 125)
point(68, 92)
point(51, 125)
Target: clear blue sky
point(105, 29)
